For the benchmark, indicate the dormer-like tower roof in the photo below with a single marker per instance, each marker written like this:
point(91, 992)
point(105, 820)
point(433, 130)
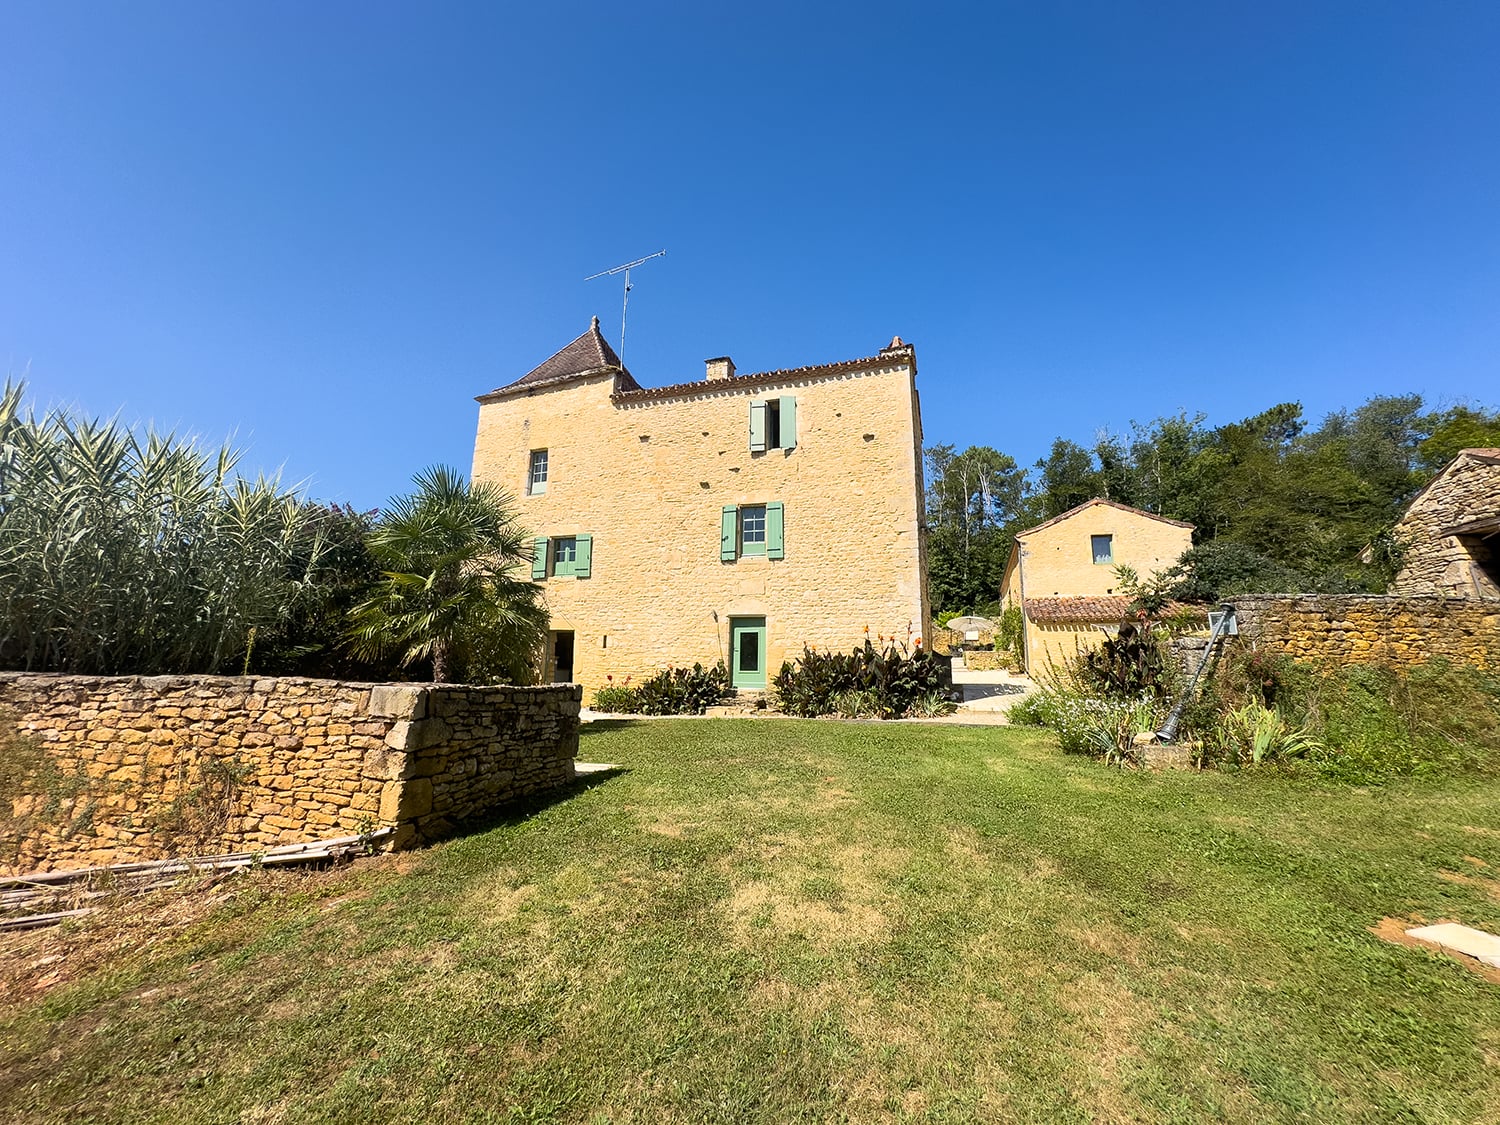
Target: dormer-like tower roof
point(589, 354)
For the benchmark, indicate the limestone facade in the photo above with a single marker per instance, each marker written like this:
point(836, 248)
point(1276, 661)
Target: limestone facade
point(1364, 629)
point(1062, 574)
point(1451, 531)
point(648, 490)
point(117, 769)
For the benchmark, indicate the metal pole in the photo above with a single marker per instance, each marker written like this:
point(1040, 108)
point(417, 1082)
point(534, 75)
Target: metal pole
point(1169, 729)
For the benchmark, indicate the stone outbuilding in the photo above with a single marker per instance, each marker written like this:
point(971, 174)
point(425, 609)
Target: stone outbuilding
point(1451, 531)
point(1062, 574)
point(734, 517)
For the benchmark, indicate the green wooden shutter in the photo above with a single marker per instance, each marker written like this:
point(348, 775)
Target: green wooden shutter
point(729, 528)
point(758, 426)
point(539, 560)
point(775, 521)
point(788, 423)
point(584, 556)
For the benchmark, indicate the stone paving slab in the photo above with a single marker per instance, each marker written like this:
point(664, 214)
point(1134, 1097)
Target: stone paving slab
point(1478, 944)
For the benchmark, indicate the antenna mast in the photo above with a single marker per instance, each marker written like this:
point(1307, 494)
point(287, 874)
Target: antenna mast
point(625, 304)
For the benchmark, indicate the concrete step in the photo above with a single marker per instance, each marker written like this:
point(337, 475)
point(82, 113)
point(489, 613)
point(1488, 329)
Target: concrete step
point(738, 705)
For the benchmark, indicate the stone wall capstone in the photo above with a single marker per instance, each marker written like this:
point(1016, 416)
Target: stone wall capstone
point(1357, 628)
point(136, 768)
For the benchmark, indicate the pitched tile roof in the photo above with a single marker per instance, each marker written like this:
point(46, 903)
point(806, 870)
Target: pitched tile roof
point(590, 354)
point(1103, 610)
point(1108, 504)
point(898, 352)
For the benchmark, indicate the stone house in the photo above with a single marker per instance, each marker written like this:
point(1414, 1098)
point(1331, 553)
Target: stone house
point(1062, 573)
point(1451, 531)
point(734, 517)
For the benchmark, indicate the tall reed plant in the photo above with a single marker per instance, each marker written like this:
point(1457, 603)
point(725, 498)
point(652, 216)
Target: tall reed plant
point(128, 552)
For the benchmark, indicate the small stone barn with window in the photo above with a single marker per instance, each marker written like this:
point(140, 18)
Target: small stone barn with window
point(1062, 573)
point(734, 517)
point(1450, 531)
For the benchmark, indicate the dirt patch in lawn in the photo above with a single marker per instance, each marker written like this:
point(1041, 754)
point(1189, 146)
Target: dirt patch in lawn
point(1490, 887)
point(126, 927)
point(1394, 930)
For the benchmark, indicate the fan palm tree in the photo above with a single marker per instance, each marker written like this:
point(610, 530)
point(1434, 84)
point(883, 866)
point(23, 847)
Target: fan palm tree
point(451, 591)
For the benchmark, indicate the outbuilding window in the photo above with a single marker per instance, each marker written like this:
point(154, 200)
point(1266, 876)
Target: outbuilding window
point(1104, 549)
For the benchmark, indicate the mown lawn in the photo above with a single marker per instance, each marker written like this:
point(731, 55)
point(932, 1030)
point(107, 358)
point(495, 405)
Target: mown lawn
point(794, 921)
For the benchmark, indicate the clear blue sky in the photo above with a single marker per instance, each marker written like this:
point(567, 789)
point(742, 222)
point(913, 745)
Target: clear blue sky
point(326, 227)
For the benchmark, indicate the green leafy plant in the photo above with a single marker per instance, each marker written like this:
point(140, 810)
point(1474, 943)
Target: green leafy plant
point(455, 589)
point(1010, 632)
point(1103, 727)
point(617, 699)
point(1255, 734)
point(1132, 662)
point(892, 680)
point(673, 691)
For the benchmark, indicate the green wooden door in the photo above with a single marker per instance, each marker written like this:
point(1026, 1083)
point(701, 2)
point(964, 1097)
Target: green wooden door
point(747, 644)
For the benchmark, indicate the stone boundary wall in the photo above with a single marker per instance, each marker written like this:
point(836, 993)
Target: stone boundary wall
point(1363, 628)
point(118, 769)
point(989, 660)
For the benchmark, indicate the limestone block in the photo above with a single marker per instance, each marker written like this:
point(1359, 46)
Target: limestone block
point(405, 800)
point(399, 701)
point(417, 734)
point(385, 764)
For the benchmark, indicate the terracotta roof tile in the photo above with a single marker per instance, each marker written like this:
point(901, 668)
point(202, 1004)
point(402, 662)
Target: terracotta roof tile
point(897, 353)
point(1108, 504)
point(1102, 610)
point(590, 354)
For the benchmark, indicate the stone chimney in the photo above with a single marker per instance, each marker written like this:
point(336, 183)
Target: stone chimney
point(721, 368)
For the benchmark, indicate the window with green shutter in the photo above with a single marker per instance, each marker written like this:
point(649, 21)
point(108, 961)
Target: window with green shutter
point(775, 530)
point(564, 555)
point(539, 560)
point(773, 424)
point(748, 530)
point(729, 530)
point(752, 529)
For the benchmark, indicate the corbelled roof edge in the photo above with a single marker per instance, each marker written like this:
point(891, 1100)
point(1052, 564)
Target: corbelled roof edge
point(888, 357)
point(1109, 504)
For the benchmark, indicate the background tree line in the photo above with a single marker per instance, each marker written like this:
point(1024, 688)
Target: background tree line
point(1279, 506)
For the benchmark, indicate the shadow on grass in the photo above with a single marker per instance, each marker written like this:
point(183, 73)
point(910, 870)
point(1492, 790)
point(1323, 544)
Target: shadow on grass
point(608, 724)
point(515, 812)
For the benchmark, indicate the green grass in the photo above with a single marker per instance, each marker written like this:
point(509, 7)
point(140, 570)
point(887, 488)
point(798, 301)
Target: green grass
point(798, 921)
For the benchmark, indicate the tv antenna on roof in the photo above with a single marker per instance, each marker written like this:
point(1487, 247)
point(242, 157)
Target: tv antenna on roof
point(625, 304)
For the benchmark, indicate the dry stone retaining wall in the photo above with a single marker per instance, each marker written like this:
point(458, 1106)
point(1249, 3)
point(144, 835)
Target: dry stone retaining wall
point(115, 769)
point(1371, 628)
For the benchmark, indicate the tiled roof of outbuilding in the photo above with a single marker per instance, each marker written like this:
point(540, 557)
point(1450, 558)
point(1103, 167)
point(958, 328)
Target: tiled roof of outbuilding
point(1101, 610)
point(590, 354)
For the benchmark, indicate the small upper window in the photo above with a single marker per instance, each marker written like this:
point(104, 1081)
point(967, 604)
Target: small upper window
point(536, 480)
point(753, 529)
point(773, 424)
point(1104, 548)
